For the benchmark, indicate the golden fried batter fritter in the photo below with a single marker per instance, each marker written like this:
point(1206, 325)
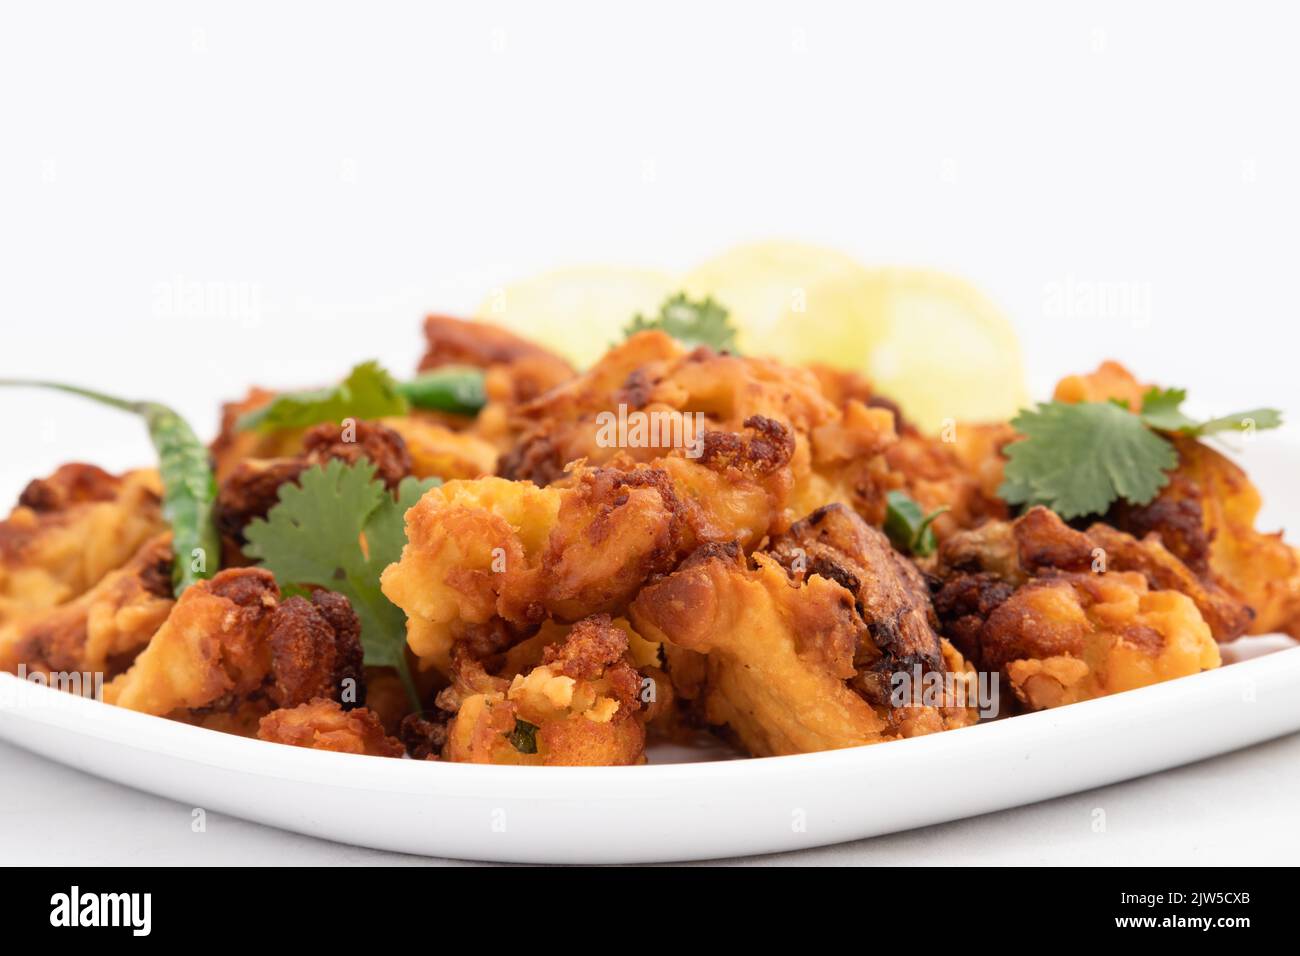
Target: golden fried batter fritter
point(804, 661)
point(1066, 616)
point(580, 706)
point(231, 642)
point(101, 630)
point(71, 529)
point(481, 550)
point(321, 724)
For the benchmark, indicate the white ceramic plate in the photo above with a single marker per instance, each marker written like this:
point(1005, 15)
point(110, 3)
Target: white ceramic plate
point(685, 810)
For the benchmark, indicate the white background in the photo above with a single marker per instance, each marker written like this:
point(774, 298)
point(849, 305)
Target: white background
point(338, 170)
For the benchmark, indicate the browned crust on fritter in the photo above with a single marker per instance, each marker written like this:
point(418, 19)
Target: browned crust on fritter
point(1176, 515)
point(250, 491)
point(71, 484)
point(316, 651)
point(593, 649)
point(890, 594)
point(231, 647)
point(1228, 617)
point(982, 569)
point(379, 444)
point(762, 449)
point(101, 630)
point(462, 342)
point(424, 736)
point(322, 724)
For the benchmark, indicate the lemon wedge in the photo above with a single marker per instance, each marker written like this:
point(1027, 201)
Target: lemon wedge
point(763, 282)
point(578, 312)
point(931, 342)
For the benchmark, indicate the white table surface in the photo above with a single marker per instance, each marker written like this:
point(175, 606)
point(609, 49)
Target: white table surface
point(1239, 808)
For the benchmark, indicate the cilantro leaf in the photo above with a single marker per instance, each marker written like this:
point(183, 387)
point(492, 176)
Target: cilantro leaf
point(1160, 410)
point(315, 535)
point(692, 323)
point(1079, 458)
point(524, 737)
point(367, 392)
point(907, 526)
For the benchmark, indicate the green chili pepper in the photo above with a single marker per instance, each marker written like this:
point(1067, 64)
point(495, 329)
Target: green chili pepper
point(451, 389)
point(189, 488)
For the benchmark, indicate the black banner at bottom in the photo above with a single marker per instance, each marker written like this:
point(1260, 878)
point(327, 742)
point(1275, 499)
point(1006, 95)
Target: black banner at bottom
point(335, 906)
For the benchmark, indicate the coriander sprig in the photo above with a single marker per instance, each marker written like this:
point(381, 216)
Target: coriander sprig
point(691, 322)
point(907, 526)
point(1080, 458)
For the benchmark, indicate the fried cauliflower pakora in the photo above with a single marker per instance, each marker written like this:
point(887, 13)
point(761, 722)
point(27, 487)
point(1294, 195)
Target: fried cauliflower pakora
point(794, 651)
point(232, 646)
point(1066, 616)
point(579, 705)
point(322, 724)
point(494, 549)
point(101, 630)
point(69, 530)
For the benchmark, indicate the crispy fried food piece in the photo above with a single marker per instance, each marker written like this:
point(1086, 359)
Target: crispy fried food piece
point(439, 452)
point(1076, 637)
point(1206, 517)
point(249, 491)
point(1227, 616)
point(960, 469)
point(480, 344)
point(889, 592)
point(1110, 381)
point(321, 724)
point(1067, 616)
point(231, 642)
point(494, 549)
point(787, 663)
point(71, 529)
point(580, 706)
point(101, 630)
point(1256, 567)
point(422, 736)
point(232, 446)
point(377, 443)
point(830, 452)
point(482, 550)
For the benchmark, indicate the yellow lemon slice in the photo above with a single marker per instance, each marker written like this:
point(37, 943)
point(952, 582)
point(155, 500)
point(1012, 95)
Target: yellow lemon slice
point(760, 283)
point(579, 312)
point(931, 342)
